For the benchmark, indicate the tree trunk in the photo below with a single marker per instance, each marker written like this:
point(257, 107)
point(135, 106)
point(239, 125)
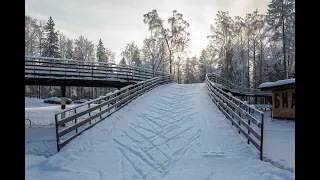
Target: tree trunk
point(39, 92)
point(248, 73)
point(174, 73)
point(254, 64)
point(178, 74)
point(261, 57)
point(284, 46)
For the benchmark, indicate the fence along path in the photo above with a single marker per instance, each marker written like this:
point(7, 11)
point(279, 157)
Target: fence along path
point(84, 116)
point(239, 113)
point(226, 84)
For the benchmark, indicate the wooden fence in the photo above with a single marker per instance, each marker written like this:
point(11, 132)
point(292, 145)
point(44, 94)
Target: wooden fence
point(239, 113)
point(84, 116)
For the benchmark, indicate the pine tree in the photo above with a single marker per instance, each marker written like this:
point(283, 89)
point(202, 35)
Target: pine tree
point(123, 61)
point(203, 65)
point(101, 52)
point(51, 48)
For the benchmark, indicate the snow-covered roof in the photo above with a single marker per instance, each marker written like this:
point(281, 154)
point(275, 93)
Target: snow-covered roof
point(277, 83)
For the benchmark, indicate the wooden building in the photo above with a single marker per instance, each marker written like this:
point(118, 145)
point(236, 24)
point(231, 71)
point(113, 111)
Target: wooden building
point(283, 98)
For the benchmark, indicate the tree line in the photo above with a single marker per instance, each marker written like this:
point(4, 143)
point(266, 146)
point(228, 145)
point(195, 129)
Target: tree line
point(245, 50)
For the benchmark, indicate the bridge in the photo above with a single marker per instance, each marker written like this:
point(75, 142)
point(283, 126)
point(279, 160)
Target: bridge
point(68, 72)
point(157, 129)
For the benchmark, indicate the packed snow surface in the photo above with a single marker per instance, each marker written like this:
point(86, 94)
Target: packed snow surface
point(277, 83)
point(171, 132)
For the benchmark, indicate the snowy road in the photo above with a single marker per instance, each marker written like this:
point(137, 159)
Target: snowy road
point(171, 132)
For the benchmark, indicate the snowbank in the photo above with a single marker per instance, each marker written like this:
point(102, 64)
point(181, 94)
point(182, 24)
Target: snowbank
point(31, 160)
point(279, 142)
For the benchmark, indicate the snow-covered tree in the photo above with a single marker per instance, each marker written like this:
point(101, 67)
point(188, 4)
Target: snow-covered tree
point(221, 38)
point(175, 37)
point(69, 50)
point(281, 16)
point(122, 61)
point(191, 70)
point(132, 54)
point(101, 52)
point(51, 48)
point(84, 49)
point(62, 45)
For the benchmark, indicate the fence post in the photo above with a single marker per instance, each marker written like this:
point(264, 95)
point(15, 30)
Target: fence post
point(100, 109)
point(75, 120)
point(108, 104)
point(261, 142)
point(89, 113)
point(57, 136)
point(249, 131)
point(34, 68)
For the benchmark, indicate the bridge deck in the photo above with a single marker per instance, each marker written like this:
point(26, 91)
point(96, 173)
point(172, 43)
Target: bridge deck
point(171, 132)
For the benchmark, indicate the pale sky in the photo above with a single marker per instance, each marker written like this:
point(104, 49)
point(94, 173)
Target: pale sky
point(119, 22)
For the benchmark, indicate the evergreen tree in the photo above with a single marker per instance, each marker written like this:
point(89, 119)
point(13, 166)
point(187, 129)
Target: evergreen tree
point(101, 52)
point(51, 48)
point(123, 61)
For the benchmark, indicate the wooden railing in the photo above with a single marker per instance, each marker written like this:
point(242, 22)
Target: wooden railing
point(239, 113)
point(80, 118)
point(56, 68)
point(224, 83)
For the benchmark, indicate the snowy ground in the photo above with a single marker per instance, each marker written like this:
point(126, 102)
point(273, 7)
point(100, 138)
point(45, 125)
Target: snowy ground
point(171, 132)
point(41, 114)
point(279, 142)
point(40, 139)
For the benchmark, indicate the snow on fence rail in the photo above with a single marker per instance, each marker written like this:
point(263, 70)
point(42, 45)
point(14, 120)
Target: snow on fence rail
point(36, 67)
point(230, 86)
point(79, 118)
point(239, 113)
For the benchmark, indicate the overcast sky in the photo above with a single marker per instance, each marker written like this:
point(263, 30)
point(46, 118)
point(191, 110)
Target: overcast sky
point(119, 22)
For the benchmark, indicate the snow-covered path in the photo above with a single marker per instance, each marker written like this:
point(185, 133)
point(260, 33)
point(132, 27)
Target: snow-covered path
point(171, 132)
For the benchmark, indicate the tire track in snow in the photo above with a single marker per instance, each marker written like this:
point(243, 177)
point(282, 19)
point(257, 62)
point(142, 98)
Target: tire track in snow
point(168, 120)
point(136, 153)
point(175, 159)
point(142, 149)
point(150, 143)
